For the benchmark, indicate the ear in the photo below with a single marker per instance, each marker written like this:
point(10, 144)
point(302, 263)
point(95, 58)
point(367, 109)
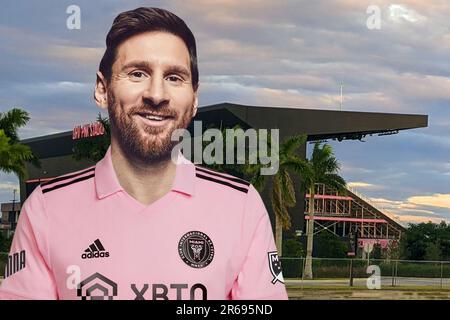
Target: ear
point(195, 105)
point(100, 92)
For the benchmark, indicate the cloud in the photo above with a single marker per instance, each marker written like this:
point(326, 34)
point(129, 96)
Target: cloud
point(423, 86)
point(220, 91)
point(67, 53)
point(8, 182)
point(435, 200)
point(49, 88)
point(399, 13)
point(438, 141)
point(363, 185)
point(347, 168)
point(406, 219)
point(9, 186)
point(408, 212)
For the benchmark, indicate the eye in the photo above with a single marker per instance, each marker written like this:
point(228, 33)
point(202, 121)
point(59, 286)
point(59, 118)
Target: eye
point(175, 79)
point(137, 75)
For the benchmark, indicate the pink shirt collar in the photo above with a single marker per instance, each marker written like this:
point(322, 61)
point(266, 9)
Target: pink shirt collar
point(106, 182)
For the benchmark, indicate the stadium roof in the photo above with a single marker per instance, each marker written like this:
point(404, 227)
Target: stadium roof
point(317, 124)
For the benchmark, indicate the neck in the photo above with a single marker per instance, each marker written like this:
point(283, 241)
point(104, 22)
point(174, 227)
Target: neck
point(146, 182)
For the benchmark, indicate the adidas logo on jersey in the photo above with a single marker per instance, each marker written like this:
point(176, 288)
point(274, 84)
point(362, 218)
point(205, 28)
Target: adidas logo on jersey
point(95, 250)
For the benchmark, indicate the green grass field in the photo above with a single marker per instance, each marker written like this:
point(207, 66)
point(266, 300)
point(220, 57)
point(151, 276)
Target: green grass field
point(345, 292)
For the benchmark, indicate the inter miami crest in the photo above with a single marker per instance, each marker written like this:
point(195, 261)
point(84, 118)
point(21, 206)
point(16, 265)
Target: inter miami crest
point(196, 249)
point(275, 267)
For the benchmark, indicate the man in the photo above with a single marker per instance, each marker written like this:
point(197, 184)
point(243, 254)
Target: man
point(138, 225)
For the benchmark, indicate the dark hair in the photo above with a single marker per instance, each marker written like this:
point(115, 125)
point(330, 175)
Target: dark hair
point(140, 20)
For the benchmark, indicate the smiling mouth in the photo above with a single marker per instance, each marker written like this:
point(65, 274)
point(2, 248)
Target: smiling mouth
point(155, 117)
point(152, 120)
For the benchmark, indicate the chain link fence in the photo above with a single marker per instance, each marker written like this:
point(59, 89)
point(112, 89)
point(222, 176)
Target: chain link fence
point(356, 272)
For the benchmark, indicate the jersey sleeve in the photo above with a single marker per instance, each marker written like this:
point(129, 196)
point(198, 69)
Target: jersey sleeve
point(27, 273)
point(260, 276)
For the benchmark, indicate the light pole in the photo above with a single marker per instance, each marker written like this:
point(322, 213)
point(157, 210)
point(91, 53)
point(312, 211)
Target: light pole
point(13, 211)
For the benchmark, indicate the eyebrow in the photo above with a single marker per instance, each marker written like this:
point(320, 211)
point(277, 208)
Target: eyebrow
point(146, 65)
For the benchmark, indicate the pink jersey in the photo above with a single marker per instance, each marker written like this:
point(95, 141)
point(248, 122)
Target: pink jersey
point(81, 236)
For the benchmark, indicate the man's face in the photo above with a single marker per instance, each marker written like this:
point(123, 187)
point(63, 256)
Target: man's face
point(150, 95)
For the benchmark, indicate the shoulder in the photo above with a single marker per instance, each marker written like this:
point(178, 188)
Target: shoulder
point(231, 193)
point(68, 181)
point(221, 181)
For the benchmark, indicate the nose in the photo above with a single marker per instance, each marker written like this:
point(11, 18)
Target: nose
point(155, 93)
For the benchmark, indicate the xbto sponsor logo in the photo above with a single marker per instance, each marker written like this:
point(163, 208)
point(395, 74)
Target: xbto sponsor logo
point(95, 250)
point(99, 287)
point(160, 291)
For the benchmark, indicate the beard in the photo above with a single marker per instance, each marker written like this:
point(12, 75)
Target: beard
point(156, 145)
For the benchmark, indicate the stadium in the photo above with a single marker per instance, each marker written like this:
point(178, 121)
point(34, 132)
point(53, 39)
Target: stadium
point(342, 215)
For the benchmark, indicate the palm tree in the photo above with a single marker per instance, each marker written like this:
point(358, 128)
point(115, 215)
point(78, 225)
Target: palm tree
point(282, 188)
point(13, 153)
point(12, 120)
point(283, 192)
point(322, 168)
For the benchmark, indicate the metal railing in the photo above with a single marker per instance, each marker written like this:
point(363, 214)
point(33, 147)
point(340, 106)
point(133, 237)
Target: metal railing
point(374, 204)
point(336, 272)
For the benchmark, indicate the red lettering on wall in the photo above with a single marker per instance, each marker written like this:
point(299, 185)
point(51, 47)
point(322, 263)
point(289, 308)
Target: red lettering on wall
point(88, 130)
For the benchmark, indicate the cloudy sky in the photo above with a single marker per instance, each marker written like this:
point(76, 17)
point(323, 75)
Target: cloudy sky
point(270, 53)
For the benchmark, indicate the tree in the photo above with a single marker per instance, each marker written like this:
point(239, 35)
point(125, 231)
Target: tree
point(12, 120)
point(13, 154)
point(282, 187)
point(426, 241)
point(322, 167)
point(433, 251)
point(5, 243)
point(330, 246)
point(443, 234)
point(293, 248)
point(282, 193)
point(376, 252)
point(393, 250)
point(94, 148)
point(416, 238)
